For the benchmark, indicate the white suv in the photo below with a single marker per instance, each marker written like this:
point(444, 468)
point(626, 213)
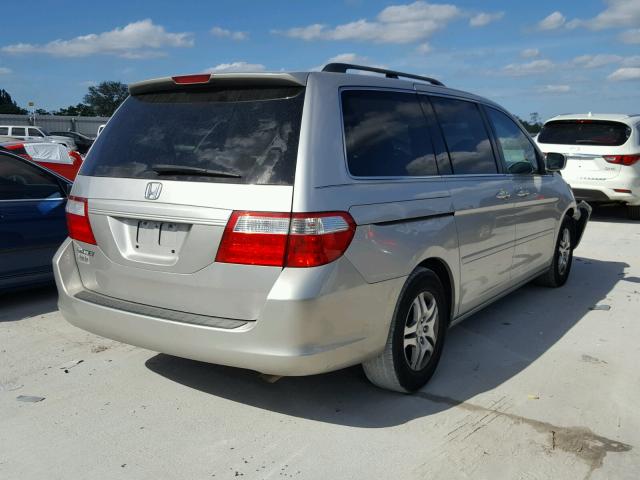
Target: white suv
point(603, 156)
point(36, 134)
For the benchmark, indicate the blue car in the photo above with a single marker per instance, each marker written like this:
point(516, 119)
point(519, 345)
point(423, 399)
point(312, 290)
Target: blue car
point(32, 221)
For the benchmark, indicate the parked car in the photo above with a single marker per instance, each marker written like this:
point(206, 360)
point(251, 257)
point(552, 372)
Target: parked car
point(297, 223)
point(603, 156)
point(83, 142)
point(32, 221)
point(36, 134)
point(53, 156)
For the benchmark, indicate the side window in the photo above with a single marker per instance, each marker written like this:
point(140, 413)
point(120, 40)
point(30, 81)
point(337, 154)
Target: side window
point(21, 181)
point(34, 132)
point(386, 135)
point(518, 152)
point(18, 131)
point(466, 136)
point(4, 130)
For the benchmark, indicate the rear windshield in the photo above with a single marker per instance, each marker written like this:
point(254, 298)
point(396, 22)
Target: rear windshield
point(584, 132)
point(247, 135)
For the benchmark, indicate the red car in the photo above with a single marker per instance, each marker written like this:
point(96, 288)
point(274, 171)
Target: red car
point(52, 156)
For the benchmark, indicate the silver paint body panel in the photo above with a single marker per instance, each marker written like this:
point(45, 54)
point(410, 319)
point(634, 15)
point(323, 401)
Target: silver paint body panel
point(305, 320)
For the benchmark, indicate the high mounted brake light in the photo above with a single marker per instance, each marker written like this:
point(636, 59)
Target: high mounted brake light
point(192, 79)
point(285, 240)
point(78, 224)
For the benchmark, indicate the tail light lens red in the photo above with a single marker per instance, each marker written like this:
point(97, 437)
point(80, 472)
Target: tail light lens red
point(78, 223)
point(622, 159)
point(285, 240)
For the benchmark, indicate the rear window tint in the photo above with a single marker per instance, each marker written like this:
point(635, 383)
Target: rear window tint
point(466, 136)
point(386, 135)
point(584, 132)
point(251, 134)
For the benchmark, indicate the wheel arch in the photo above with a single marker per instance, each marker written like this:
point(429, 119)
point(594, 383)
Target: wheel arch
point(442, 270)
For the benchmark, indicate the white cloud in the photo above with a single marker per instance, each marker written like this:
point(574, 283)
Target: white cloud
point(619, 13)
point(553, 21)
point(397, 24)
point(631, 36)
point(348, 58)
point(224, 33)
point(424, 48)
point(625, 73)
point(482, 19)
point(236, 67)
point(529, 68)
point(530, 53)
point(5, 71)
point(596, 61)
point(136, 40)
point(633, 61)
point(555, 89)
point(352, 58)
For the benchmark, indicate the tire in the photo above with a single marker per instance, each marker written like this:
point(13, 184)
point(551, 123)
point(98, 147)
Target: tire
point(408, 361)
point(558, 273)
point(634, 212)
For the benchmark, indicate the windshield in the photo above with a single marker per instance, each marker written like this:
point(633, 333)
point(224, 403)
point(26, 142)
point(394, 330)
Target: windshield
point(584, 132)
point(246, 135)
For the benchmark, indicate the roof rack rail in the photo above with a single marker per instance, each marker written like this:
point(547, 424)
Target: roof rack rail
point(343, 67)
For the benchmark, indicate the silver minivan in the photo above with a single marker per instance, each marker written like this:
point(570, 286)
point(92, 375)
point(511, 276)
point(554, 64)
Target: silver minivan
point(297, 223)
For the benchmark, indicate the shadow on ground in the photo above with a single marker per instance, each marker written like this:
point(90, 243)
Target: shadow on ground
point(481, 353)
point(611, 214)
point(19, 304)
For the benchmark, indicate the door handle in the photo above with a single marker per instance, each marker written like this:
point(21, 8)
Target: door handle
point(523, 193)
point(503, 195)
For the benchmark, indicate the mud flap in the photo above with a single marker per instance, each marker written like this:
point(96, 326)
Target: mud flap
point(582, 216)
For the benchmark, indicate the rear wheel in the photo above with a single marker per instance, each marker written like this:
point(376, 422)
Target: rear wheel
point(633, 211)
point(558, 274)
point(416, 336)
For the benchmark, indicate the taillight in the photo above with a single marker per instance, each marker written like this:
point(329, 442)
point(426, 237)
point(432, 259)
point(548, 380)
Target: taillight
point(78, 220)
point(192, 79)
point(285, 240)
point(622, 159)
point(318, 238)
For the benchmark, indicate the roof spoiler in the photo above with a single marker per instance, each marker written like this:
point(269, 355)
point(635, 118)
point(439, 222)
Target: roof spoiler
point(218, 79)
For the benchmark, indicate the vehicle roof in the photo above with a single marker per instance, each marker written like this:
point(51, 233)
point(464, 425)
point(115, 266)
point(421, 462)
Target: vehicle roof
point(618, 117)
point(302, 79)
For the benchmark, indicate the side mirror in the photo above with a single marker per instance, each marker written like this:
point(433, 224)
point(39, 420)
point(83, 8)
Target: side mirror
point(555, 162)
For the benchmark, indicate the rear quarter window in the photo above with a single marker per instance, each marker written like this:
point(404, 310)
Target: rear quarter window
point(386, 135)
point(466, 136)
point(250, 134)
point(584, 132)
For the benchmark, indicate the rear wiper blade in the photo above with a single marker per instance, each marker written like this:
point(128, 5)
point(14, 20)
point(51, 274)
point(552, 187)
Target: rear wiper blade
point(167, 169)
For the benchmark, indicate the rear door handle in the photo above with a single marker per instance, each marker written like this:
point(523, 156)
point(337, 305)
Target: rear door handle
point(503, 195)
point(523, 193)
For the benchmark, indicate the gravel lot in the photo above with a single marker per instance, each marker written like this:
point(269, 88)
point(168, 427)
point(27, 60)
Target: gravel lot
point(536, 386)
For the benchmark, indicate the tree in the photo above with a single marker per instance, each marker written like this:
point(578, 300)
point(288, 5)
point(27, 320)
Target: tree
point(534, 125)
point(79, 110)
point(8, 105)
point(105, 97)
point(41, 111)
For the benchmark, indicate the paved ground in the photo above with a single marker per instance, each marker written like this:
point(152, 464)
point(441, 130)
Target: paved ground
point(536, 386)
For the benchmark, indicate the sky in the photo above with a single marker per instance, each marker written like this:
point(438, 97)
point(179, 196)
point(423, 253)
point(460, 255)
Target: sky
point(542, 56)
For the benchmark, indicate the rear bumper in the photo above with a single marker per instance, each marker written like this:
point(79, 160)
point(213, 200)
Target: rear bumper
point(301, 331)
point(606, 192)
